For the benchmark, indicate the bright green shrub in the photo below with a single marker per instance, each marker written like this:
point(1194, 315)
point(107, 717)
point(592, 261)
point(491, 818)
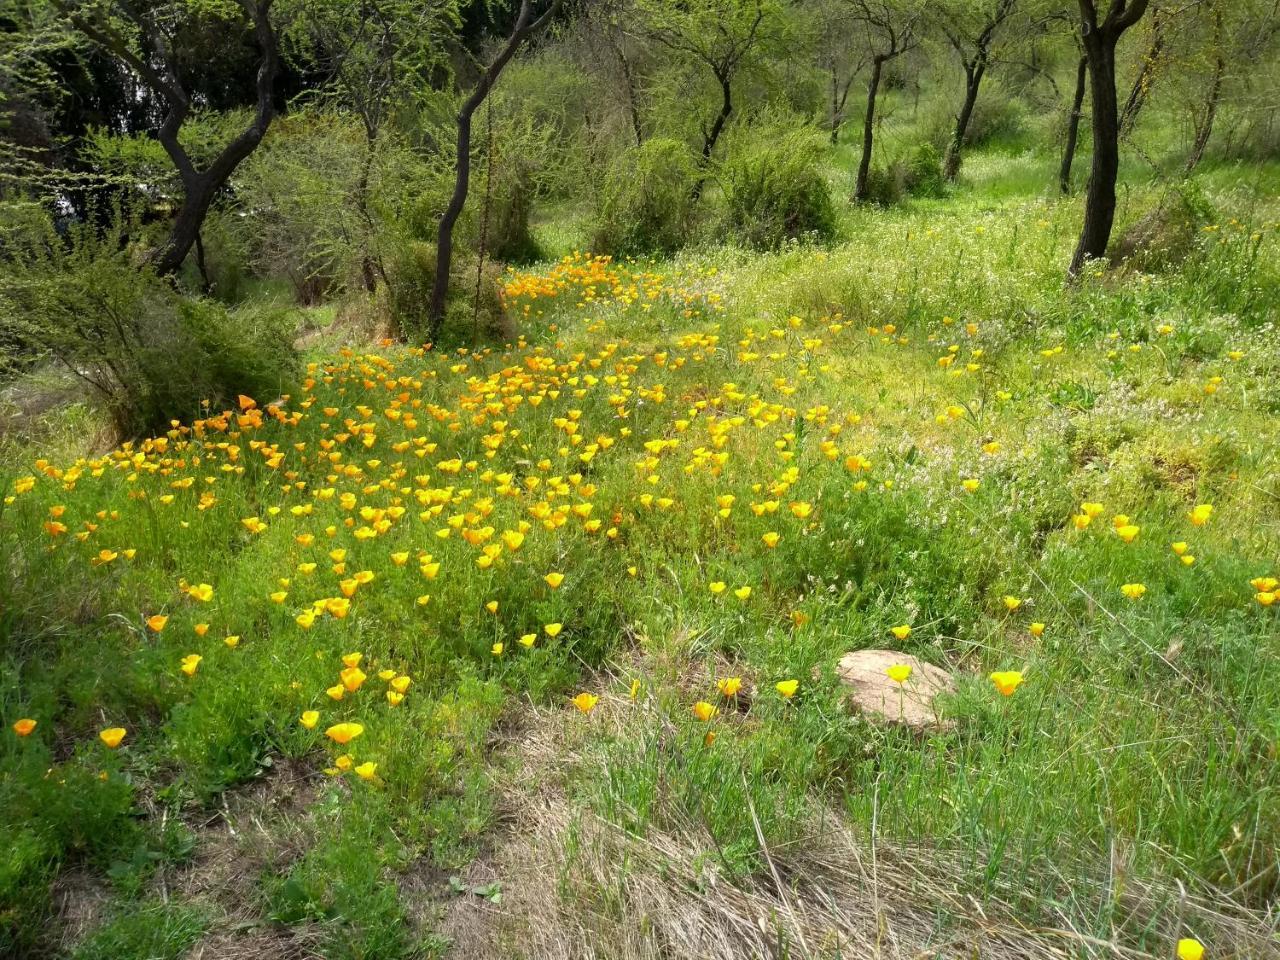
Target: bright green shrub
point(149, 354)
point(774, 190)
point(646, 204)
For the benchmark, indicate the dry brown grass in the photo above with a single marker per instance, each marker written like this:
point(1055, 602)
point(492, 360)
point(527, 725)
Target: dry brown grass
point(577, 887)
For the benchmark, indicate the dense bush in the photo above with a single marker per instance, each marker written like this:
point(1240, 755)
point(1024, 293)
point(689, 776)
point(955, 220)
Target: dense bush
point(1166, 234)
point(774, 189)
point(646, 203)
point(150, 354)
point(917, 174)
point(473, 305)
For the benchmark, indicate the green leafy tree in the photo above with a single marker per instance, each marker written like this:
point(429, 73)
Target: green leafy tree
point(716, 34)
point(154, 41)
point(1100, 32)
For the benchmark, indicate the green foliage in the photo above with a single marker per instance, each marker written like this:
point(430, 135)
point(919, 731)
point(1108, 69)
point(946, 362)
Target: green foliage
point(646, 203)
point(149, 354)
point(473, 306)
point(153, 930)
point(775, 189)
point(1166, 234)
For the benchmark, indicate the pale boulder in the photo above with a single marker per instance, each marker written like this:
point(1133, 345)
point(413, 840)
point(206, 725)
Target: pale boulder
point(873, 693)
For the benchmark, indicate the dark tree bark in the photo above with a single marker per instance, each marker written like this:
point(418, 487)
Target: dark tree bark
point(973, 83)
point(868, 130)
point(199, 187)
point(888, 38)
point(1073, 125)
point(1099, 38)
point(975, 57)
point(525, 27)
point(1204, 125)
point(712, 136)
point(724, 58)
point(1146, 75)
point(628, 80)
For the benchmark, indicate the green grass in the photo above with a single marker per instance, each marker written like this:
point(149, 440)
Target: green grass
point(1143, 739)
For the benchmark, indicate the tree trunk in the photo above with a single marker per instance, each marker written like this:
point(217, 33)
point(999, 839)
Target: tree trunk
point(1204, 128)
point(712, 136)
point(973, 82)
point(835, 107)
point(1073, 126)
point(868, 131)
point(198, 193)
point(628, 79)
point(1146, 77)
point(206, 285)
point(524, 28)
point(1100, 198)
point(369, 269)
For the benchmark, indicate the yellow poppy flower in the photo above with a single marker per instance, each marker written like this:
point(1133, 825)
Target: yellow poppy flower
point(231, 641)
point(113, 736)
point(157, 622)
point(704, 711)
point(717, 587)
point(1007, 681)
point(336, 692)
point(1134, 591)
point(367, 770)
point(395, 698)
point(309, 719)
point(191, 663)
point(586, 702)
point(787, 688)
point(401, 683)
point(554, 580)
point(497, 648)
point(729, 686)
point(771, 539)
point(742, 593)
point(528, 639)
point(1012, 603)
point(553, 629)
point(1036, 629)
point(1200, 514)
point(1190, 949)
point(899, 672)
point(24, 726)
point(902, 631)
point(352, 678)
point(1128, 532)
point(344, 733)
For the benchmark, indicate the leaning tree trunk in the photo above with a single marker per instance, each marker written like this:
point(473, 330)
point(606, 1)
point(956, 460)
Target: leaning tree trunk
point(973, 82)
point(1100, 198)
point(525, 27)
point(1204, 128)
point(711, 137)
point(868, 131)
point(1146, 77)
point(1073, 126)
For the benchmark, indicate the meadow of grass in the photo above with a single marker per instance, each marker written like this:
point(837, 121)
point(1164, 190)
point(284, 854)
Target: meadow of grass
point(475, 597)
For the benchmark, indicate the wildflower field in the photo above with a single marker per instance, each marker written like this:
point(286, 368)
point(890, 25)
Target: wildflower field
point(530, 649)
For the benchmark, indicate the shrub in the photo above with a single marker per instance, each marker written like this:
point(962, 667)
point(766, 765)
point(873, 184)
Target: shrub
point(774, 189)
point(646, 204)
point(923, 172)
point(411, 274)
point(918, 174)
point(1166, 234)
point(148, 353)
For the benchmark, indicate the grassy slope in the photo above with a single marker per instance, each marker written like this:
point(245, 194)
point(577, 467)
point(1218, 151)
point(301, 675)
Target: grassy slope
point(1141, 745)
